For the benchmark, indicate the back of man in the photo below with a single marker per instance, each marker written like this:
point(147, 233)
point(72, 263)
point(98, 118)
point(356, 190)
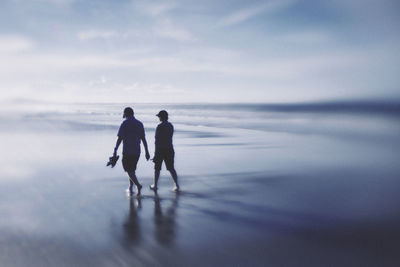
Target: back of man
point(164, 133)
point(131, 132)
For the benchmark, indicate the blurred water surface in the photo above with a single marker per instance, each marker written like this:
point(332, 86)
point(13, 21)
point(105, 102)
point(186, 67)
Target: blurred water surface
point(309, 184)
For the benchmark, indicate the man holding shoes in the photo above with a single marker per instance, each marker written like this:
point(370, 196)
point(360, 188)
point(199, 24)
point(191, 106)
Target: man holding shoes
point(131, 132)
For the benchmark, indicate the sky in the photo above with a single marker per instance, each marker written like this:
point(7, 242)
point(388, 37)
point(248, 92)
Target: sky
point(199, 51)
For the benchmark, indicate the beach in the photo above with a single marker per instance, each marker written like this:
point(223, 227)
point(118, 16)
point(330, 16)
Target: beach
point(262, 185)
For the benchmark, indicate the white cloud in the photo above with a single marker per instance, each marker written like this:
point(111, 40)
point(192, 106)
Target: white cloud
point(58, 2)
point(305, 37)
point(207, 61)
point(61, 3)
point(154, 88)
point(164, 26)
point(14, 43)
point(156, 9)
point(247, 13)
point(167, 29)
point(98, 34)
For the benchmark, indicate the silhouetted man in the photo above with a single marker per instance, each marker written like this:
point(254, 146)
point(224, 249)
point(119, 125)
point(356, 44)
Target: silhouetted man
point(164, 150)
point(130, 133)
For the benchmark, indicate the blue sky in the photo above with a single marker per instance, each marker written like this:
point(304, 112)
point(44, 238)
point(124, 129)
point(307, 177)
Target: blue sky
point(199, 51)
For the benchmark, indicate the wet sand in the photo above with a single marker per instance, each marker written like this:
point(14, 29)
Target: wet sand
point(276, 221)
point(249, 198)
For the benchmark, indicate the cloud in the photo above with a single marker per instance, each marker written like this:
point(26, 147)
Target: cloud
point(18, 2)
point(98, 34)
point(58, 1)
point(154, 88)
point(167, 29)
point(197, 60)
point(155, 9)
point(153, 44)
point(305, 37)
point(111, 76)
point(14, 43)
point(247, 13)
point(164, 25)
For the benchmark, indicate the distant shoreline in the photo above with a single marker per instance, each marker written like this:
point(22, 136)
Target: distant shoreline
point(384, 107)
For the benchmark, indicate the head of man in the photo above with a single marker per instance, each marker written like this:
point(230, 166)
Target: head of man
point(128, 112)
point(163, 115)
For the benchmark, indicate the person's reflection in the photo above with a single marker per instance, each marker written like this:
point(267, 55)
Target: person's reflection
point(132, 226)
point(165, 221)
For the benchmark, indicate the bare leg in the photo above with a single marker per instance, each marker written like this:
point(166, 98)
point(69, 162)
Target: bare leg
point(133, 179)
point(175, 178)
point(130, 184)
point(156, 176)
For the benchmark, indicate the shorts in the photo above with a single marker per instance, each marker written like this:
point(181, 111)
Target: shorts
point(166, 155)
point(129, 162)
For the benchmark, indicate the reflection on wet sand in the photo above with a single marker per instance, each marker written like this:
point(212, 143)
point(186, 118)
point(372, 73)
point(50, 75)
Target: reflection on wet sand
point(131, 225)
point(164, 221)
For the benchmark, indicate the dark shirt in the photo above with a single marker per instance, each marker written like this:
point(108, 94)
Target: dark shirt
point(131, 131)
point(164, 133)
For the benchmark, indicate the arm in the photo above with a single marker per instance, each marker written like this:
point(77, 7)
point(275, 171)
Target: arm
point(143, 138)
point(157, 134)
point(145, 147)
point(119, 140)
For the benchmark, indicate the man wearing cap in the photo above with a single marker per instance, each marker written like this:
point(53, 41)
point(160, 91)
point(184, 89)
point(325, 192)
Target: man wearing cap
point(164, 150)
point(131, 132)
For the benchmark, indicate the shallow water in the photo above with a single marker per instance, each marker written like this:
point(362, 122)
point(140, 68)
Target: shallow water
point(289, 185)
